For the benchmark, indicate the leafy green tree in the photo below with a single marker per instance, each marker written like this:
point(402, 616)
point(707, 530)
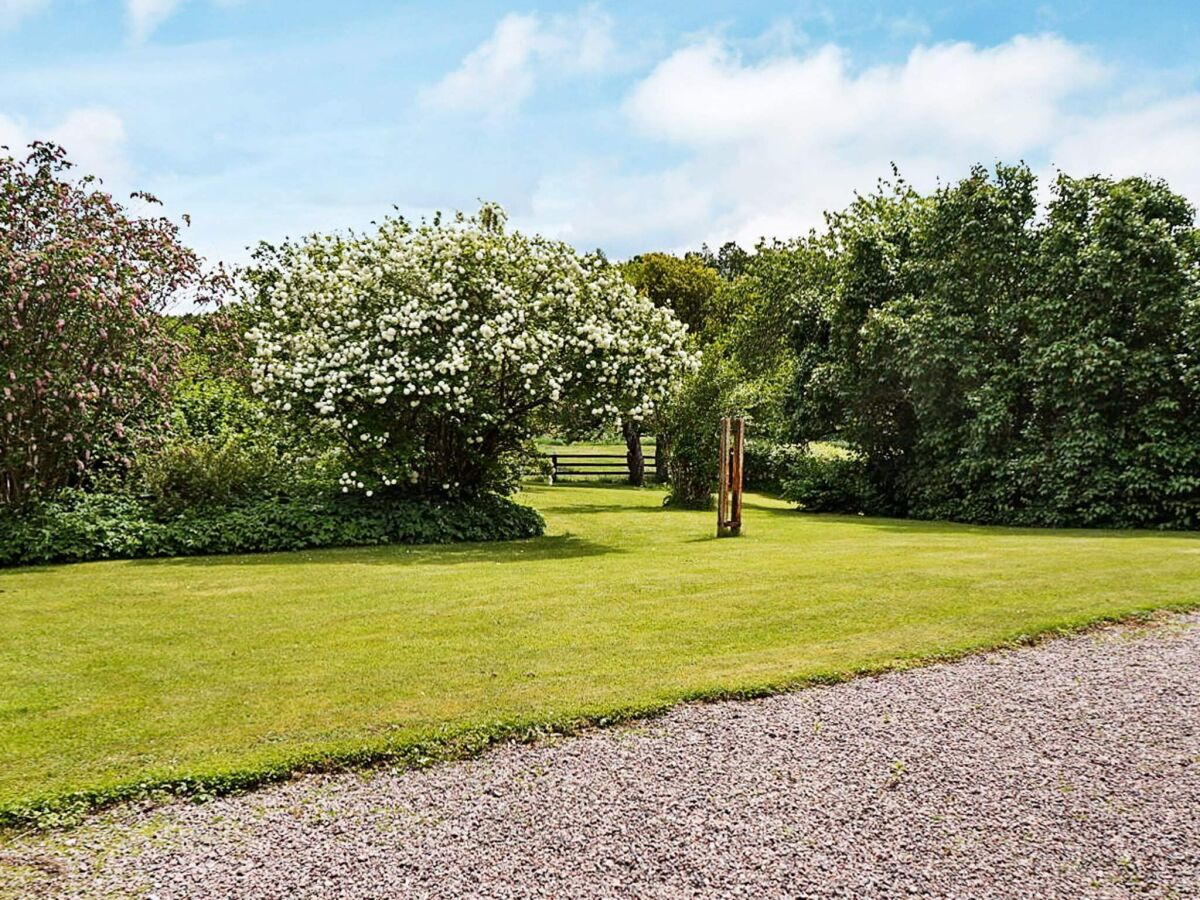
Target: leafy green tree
point(684, 285)
point(1112, 431)
point(990, 366)
point(729, 261)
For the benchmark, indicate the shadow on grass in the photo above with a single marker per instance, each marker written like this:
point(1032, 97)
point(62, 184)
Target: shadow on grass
point(570, 509)
point(563, 546)
point(942, 527)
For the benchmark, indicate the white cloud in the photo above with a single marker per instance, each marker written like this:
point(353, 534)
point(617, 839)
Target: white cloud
point(501, 73)
point(768, 145)
point(1160, 138)
point(94, 138)
point(146, 15)
point(12, 12)
point(594, 206)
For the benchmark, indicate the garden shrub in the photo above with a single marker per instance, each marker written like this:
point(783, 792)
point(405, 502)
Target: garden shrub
point(690, 424)
point(998, 365)
point(768, 464)
point(85, 360)
point(79, 526)
point(429, 356)
point(819, 482)
point(211, 471)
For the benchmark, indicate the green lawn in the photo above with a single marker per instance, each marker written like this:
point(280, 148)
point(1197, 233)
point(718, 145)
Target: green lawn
point(115, 673)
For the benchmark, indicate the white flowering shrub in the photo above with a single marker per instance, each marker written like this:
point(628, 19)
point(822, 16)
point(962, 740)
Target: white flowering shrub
point(432, 354)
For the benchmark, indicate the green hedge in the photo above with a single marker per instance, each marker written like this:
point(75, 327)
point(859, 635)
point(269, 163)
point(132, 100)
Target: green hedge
point(78, 526)
point(768, 464)
point(818, 483)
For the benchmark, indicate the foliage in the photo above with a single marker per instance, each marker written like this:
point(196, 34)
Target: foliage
point(749, 366)
point(767, 464)
point(211, 471)
point(223, 446)
point(684, 285)
point(729, 261)
point(690, 428)
point(992, 366)
point(79, 526)
point(84, 358)
point(626, 608)
point(827, 483)
point(431, 355)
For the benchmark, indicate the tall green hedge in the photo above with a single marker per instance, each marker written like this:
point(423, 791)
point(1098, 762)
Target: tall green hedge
point(996, 365)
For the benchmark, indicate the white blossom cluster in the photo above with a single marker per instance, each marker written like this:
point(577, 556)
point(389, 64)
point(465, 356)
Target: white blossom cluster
point(452, 335)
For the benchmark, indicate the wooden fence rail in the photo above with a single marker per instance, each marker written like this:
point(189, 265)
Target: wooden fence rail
point(588, 465)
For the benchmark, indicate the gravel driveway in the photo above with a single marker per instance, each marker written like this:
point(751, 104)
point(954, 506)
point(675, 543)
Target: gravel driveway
point(1068, 769)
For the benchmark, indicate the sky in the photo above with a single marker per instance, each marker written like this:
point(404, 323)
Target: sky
point(628, 126)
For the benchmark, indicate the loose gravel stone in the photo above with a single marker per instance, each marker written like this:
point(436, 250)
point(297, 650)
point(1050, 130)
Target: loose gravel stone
point(1064, 770)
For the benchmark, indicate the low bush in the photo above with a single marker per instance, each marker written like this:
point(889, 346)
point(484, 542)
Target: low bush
point(210, 472)
point(767, 464)
point(81, 526)
point(828, 482)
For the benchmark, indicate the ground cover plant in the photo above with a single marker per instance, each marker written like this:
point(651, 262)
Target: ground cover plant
point(78, 526)
point(217, 672)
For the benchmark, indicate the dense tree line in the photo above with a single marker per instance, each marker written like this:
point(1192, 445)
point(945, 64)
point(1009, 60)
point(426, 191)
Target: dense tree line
point(968, 354)
point(980, 359)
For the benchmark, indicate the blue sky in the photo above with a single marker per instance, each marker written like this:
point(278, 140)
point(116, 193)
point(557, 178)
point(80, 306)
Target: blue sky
point(628, 126)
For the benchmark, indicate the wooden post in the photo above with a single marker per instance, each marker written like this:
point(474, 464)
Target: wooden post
point(723, 477)
point(729, 484)
point(553, 467)
point(735, 503)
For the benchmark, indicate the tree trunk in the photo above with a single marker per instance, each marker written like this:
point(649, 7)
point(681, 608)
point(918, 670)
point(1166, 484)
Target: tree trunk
point(633, 453)
point(661, 453)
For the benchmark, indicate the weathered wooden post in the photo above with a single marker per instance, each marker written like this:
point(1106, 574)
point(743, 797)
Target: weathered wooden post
point(729, 486)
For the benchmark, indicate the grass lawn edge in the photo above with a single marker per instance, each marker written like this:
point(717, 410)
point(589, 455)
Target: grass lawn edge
point(68, 809)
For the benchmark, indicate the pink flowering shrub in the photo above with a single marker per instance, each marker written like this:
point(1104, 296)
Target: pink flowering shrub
point(84, 358)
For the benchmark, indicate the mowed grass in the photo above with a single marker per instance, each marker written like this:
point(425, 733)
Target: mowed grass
point(127, 672)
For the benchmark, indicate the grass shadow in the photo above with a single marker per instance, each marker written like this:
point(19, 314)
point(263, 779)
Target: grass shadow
point(593, 508)
point(554, 547)
point(941, 526)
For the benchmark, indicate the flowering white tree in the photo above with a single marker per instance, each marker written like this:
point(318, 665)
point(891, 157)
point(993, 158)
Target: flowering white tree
point(434, 353)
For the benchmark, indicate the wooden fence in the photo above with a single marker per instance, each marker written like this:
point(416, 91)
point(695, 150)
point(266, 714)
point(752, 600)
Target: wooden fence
point(588, 465)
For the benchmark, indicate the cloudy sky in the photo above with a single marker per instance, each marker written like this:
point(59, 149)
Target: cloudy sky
point(622, 125)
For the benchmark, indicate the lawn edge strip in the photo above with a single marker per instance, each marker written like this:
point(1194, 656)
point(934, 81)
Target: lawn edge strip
point(69, 809)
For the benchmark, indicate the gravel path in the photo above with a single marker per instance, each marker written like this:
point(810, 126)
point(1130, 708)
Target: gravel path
point(1070, 769)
